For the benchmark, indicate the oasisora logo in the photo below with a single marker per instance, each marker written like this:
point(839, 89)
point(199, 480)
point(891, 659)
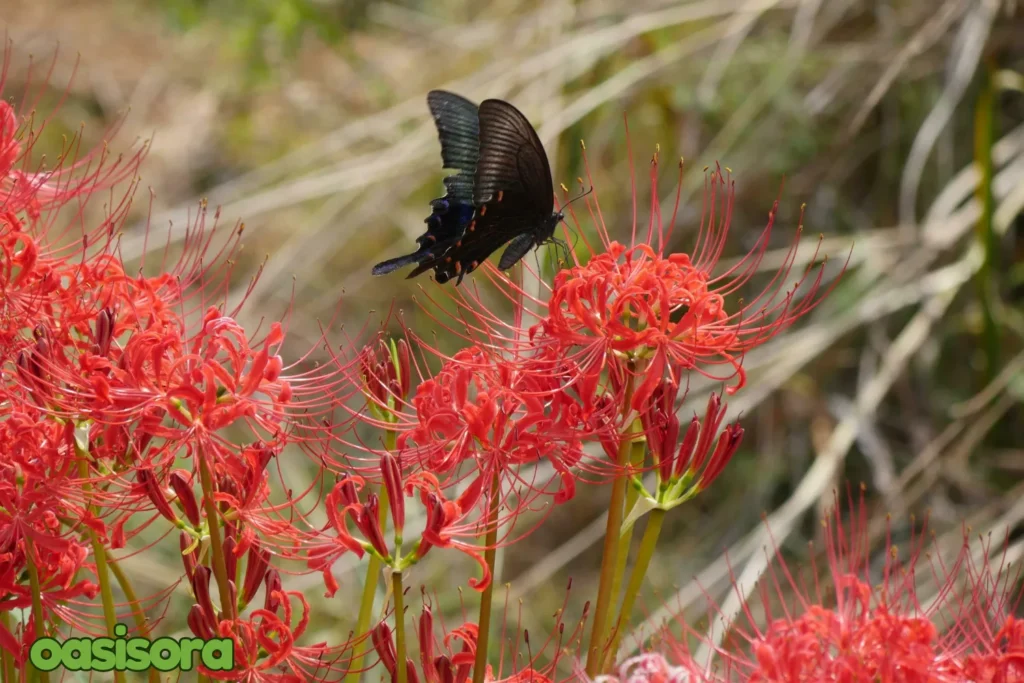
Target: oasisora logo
point(132, 654)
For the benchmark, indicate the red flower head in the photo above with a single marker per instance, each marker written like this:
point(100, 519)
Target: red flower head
point(111, 377)
point(612, 327)
point(267, 643)
point(668, 313)
point(32, 191)
point(866, 619)
point(447, 523)
point(481, 408)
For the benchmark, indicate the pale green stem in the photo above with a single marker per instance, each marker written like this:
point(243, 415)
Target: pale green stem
point(141, 622)
point(220, 569)
point(37, 608)
point(400, 656)
point(487, 598)
point(638, 452)
point(987, 282)
point(373, 572)
point(6, 661)
point(636, 581)
point(99, 552)
point(610, 554)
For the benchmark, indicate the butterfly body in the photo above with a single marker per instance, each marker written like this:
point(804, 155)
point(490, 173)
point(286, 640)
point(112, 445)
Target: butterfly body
point(512, 197)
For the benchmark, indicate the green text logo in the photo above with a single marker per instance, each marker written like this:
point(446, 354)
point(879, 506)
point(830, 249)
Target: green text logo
point(133, 654)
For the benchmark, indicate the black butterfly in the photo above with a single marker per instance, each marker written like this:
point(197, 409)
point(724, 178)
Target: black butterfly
point(512, 193)
point(458, 128)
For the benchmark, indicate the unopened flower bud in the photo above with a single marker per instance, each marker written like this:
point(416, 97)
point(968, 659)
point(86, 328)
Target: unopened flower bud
point(186, 496)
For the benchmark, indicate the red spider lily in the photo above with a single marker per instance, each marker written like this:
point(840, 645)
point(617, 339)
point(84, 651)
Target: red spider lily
point(372, 394)
point(446, 520)
point(32, 533)
point(387, 375)
point(501, 416)
point(69, 175)
point(869, 622)
point(266, 647)
point(686, 471)
point(113, 376)
point(449, 658)
point(668, 312)
point(183, 390)
point(451, 663)
point(113, 354)
point(653, 313)
point(480, 420)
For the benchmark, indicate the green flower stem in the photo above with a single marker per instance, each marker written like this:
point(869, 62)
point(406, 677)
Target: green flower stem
point(141, 622)
point(636, 581)
point(610, 554)
point(984, 133)
point(6, 661)
point(484, 621)
point(99, 552)
point(38, 615)
point(373, 572)
point(400, 656)
point(638, 451)
point(220, 569)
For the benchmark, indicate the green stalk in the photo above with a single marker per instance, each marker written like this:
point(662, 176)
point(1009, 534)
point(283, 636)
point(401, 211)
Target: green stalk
point(220, 569)
point(636, 581)
point(99, 552)
point(6, 661)
point(484, 620)
point(400, 656)
point(984, 132)
point(610, 554)
point(638, 451)
point(141, 622)
point(37, 607)
point(373, 572)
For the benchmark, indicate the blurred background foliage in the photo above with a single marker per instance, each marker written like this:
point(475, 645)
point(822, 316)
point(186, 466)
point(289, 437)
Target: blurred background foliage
point(899, 123)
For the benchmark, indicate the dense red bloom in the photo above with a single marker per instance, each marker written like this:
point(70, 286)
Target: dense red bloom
point(111, 377)
point(480, 415)
point(669, 312)
point(267, 648)
point(31, 531)
point(446, 521)
point(868, 619)
point(482, 409)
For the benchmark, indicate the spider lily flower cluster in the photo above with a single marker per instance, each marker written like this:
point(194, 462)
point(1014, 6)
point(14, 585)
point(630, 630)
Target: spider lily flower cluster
point(118, 391)
point(874, 612)
point(140, 414)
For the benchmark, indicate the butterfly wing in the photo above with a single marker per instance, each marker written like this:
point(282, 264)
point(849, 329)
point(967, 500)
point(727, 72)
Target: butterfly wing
point(458, 129)
point(512, 163)
point(512, 191)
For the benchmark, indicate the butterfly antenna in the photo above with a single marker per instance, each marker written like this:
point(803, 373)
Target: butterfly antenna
point(579, 197)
